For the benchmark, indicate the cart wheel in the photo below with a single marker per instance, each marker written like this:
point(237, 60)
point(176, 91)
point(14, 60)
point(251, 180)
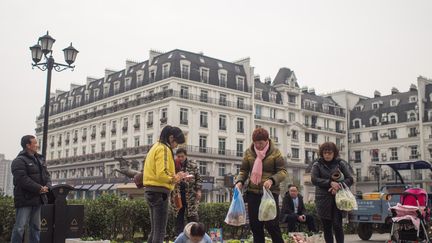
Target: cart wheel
point(365, 231)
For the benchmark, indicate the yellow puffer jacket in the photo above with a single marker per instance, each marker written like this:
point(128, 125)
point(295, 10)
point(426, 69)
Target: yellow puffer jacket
point(159, 168)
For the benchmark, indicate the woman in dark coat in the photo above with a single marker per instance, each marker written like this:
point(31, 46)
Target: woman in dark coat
point(326, 188)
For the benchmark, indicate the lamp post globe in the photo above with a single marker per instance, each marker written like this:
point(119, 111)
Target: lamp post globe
point(38, 51)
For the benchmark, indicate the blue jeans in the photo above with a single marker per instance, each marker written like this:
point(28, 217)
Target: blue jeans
point(24, 215)
point(158, 207)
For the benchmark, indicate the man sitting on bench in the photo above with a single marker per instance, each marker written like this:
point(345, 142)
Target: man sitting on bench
point(293, 210)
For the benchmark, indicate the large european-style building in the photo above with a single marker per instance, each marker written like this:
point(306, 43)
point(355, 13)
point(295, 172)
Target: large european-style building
point(218, 104)
point(391, 128)
point(215, 102)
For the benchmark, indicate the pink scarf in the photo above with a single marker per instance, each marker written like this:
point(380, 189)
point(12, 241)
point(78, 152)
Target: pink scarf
point(258, 165)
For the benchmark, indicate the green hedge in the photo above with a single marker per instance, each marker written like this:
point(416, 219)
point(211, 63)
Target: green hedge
point(110, 217)
point(7, 218)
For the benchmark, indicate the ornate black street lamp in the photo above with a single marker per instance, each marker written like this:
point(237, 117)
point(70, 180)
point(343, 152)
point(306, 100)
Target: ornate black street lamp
point(44, 48)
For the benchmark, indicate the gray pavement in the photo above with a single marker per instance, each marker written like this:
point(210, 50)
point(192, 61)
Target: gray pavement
point(376, 238)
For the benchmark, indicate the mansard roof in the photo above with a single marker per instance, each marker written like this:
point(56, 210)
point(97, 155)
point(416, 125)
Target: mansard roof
point(266, 90)
point(367, 111)
point(175, 57)
point(284, 75)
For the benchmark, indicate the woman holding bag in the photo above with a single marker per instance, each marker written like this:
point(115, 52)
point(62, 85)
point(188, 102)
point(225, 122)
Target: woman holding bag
point(327, 174)
point(264, 166)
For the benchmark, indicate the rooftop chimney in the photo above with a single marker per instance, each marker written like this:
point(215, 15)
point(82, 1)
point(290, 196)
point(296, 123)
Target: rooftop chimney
point(413, 87)
point(304, 89)
point(267, 80)
point(73, 86)
point(377, 94)
point(312, 91)
point(108, 72)
point(129, 64)
point(90, 79)
point(257, 78)
point(394, 91)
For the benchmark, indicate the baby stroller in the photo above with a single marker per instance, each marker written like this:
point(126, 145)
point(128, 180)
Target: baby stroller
point(410, 217)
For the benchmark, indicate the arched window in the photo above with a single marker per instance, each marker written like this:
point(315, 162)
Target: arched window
point(412, 116)
point(393, 118)
point(357, 123)
point(374, 121)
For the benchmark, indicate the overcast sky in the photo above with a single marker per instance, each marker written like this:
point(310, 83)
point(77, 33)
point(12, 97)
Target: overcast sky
point(361, 46)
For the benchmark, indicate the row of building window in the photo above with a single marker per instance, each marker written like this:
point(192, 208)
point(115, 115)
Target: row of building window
point(137, 124)
point(375, 154)
point(185, 70)
point(203, 147)
point(385, 119)
point(109, 171)
point(184, 93)
point(391, 134)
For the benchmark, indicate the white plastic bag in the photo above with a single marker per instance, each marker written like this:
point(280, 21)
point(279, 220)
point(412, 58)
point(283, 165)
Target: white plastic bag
point(236, 215)
point(267, 208)
point(345, 200)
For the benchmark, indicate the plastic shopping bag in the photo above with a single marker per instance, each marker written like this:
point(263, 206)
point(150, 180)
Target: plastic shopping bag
point(237, 213)
point(267, 208)
point(345, 200)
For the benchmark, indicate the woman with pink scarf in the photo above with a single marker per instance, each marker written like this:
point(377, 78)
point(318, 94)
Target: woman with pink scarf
point(262, 166)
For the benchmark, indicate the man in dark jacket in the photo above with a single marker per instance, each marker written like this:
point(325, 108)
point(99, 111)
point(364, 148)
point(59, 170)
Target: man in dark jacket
point(293, 210)
point(31, 180)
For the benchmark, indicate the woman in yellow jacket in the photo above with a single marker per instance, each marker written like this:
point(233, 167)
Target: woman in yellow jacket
point(160, 178)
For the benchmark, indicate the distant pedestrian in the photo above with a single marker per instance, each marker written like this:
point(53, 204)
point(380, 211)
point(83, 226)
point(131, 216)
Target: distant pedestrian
point(31, 181)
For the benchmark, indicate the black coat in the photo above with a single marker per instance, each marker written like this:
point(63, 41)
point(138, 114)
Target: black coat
point(288, 205)
point(29, 175)
point(321, 178)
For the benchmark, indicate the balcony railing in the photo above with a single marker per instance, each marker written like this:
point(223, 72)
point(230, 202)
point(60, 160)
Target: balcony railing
point(266, 118)
point(336, 111)
point(101, 155)
point(213, 151)
point(143, 100)
point(141, 150)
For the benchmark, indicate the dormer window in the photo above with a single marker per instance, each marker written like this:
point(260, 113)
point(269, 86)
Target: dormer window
point(258, 94)
point(222, 78)
point(375, 105)
point(152, 74)
point(78, 100)
point(116, 87)
point(412, 116)
point(139, 77)
point(95, 94)
point(128, 83)
point(374, 121)
point(412, 99)
point(240, 83)
point(394, 102)
point(165, 70)
point(204, 73)
point(393, 118)
point(106, 89)
point(185, 68)
point(358, 108)
point(356, 123)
